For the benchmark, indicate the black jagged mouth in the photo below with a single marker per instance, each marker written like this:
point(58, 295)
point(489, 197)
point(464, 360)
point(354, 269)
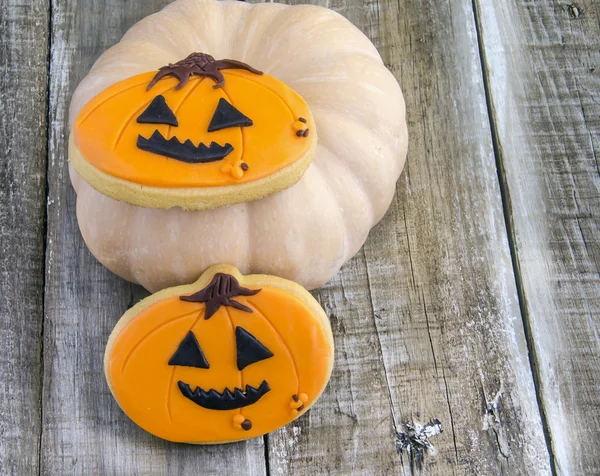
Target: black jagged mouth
point(226, 400)
point(186, 151)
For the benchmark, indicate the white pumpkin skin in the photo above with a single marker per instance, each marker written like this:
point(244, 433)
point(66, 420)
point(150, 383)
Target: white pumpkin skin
point(305, 233)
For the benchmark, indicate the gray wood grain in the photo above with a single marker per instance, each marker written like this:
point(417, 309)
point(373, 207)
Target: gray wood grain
point(23, 85)
point(543, 76)
point(84, 430)
point(351, 430)
point(426, 317)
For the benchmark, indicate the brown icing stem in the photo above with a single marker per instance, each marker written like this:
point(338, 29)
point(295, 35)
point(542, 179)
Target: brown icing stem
point(199, 64)
point(218, 293)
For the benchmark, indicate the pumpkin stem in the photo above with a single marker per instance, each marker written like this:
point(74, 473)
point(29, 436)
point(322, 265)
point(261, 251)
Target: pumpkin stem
point(218, 293)
point(199, 64)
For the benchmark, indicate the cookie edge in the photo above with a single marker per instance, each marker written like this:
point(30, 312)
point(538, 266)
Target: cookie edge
point(188, 198)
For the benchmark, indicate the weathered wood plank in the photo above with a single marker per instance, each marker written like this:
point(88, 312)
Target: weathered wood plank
point(542, 61)
point(426, 318)
point(23, 96)
point(440, 272)
point(84, 431)
point(350, 431)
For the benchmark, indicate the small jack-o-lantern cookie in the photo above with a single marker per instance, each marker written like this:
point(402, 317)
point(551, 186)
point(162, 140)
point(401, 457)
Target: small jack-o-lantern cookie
point(200, 133)
point(227, 358)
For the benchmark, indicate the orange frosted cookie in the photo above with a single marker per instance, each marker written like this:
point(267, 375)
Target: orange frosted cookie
point(200, 133)
point(227, 358)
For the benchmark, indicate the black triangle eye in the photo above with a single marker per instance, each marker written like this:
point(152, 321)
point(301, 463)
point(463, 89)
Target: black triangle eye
point(158, 112)
point(227, 116)
point(189, 354)
point(249, 349)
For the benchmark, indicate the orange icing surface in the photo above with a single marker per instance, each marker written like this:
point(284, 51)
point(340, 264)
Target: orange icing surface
point(146, 387)
point(106, 129)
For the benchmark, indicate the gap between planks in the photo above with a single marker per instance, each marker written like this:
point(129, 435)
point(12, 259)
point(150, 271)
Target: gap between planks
point(47, 194)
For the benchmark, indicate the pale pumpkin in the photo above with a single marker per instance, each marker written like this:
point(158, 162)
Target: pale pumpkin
point(305, 233)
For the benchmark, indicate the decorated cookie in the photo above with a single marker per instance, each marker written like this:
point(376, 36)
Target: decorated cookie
point(198, 134)
point(227, 358)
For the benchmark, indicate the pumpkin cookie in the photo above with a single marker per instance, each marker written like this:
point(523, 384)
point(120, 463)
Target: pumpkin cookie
point(227, 358)
point(198, 134)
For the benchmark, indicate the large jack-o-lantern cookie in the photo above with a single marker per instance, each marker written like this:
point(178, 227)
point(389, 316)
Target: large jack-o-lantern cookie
point(227, 358)
point(200, 133)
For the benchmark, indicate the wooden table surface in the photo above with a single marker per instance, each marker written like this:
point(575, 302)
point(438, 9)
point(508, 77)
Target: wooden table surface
point(475, 301)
